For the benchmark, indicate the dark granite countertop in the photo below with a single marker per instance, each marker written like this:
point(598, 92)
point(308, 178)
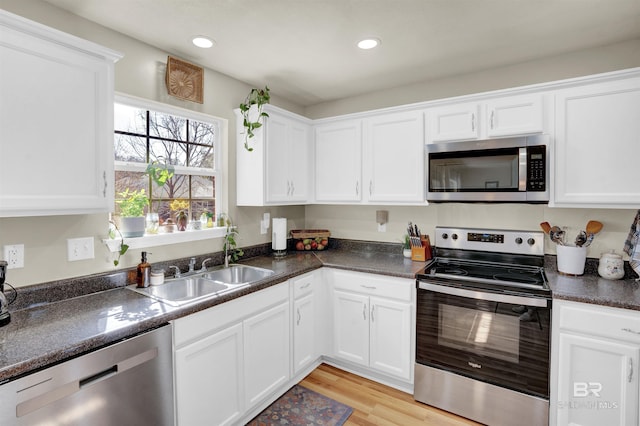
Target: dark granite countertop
point(591, 288)
point(42, 334)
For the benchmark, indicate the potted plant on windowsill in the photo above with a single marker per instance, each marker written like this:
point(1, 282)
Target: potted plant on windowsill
point(132, 206)
point(252, 113)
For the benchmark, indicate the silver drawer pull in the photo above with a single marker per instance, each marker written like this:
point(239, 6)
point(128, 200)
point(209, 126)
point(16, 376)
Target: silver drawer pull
point(302, 287)
point(628, 330)
point(630, 370)
point(370, 287)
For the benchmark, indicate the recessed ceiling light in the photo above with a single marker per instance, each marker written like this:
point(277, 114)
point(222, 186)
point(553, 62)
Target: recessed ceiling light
point(202, 41)
point(369, 43)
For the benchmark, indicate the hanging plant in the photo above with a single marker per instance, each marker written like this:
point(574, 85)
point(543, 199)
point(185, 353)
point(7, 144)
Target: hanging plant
point(160, 171)
point(259, 98)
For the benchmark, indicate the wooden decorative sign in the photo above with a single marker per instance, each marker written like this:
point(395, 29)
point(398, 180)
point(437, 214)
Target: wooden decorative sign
point(184, 80)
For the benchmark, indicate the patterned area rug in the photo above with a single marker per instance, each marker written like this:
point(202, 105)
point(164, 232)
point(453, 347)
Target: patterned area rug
point(302, 406)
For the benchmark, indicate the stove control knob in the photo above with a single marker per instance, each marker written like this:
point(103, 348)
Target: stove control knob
point(445, 235)
point(454, 236)
point(531, 241)
point(518, 240)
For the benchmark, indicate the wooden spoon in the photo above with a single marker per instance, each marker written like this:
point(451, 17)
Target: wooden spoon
point(593, 227)
point(546, 227)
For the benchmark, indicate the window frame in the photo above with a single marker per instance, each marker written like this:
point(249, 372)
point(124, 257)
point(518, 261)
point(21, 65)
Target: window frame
point(219, 174)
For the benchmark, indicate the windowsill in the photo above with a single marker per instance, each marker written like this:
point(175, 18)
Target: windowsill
point(166, 239)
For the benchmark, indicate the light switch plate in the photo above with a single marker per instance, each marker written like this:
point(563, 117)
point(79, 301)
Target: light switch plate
point(80, 249)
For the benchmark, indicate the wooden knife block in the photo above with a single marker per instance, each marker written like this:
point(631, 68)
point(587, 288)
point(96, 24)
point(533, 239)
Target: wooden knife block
point(422, 254)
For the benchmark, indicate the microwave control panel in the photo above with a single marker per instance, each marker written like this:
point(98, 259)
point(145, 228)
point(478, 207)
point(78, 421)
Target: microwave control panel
point(536, 168)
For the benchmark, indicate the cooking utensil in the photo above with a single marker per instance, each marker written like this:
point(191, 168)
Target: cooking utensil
point(593, 227)
point(556, 234)
point(546, 227)
point(581, 238)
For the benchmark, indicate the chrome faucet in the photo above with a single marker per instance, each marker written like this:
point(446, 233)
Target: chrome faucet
point(204, 264)
point(192, 265)
point(177, 273)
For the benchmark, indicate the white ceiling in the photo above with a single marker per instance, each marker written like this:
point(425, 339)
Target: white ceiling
point(304, 50)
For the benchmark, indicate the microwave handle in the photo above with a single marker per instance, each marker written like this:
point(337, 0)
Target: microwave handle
point(522, 169)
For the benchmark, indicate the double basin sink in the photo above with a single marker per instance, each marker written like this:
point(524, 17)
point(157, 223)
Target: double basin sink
point(204, 285)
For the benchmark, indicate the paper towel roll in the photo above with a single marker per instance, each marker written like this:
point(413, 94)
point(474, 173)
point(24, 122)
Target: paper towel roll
point(279, 238)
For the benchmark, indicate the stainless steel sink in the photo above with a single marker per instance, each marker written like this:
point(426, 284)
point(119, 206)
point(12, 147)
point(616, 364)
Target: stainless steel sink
point(181, 291)
point(238, 274)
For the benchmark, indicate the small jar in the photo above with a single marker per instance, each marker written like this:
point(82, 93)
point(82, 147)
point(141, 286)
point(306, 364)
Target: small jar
point(157, 277)
point(611, 266)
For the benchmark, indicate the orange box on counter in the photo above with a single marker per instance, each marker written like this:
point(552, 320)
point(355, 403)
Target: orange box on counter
point(310, 239)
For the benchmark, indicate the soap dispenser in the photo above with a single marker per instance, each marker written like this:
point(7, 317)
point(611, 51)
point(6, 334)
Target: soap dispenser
point(143, 272)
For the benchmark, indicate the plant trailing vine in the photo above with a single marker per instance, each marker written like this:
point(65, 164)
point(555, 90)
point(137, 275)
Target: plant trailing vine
point(160, 171)
point(123, 247)
point(259, 98)
point(230, 246)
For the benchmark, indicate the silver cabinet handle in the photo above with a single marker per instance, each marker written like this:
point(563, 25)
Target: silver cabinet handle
point(364, 311)
point(293, 188)
point(370, 186)
point(628, 330)
point(491, 121)
point(370, 287)
point(630, 370)
point(373, 307)
point(104, 189)
point(302, 287)
point(299, 317)
point(473, 122)
point(357, 188)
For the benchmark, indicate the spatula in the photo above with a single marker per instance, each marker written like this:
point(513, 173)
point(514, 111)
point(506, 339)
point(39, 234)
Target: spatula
point(546, 227)
point(593, 227)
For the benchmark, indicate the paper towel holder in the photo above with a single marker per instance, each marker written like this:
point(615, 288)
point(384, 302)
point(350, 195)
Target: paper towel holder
point(279, 236)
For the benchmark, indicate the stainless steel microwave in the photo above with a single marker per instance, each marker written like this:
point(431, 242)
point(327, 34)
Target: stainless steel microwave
point(496, 170)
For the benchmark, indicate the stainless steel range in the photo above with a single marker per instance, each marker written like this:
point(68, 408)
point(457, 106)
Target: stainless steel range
point(484, 326)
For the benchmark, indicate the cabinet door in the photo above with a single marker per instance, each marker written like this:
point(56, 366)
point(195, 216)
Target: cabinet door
point(453, 123)
point(338, 167)
point(299, 162)
point(277, 159)
point(597, 146)
point(394, 158)
point(209, 379)
point(304, 335)
point(351, 327)
point(515, 115)
point(58, 124)
point(391, 337)
point(597, 383)
point(266, 352)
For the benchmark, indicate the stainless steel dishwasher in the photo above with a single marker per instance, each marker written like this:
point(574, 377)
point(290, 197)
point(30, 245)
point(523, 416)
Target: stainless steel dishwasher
point(127, 383)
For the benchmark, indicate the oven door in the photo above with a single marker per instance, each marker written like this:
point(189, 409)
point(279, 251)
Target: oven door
point(496, 338)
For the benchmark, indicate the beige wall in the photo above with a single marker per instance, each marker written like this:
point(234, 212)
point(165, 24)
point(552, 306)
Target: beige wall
point(141, 73)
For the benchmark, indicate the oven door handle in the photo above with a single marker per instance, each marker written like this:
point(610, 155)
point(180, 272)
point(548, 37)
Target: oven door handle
point(480, 295)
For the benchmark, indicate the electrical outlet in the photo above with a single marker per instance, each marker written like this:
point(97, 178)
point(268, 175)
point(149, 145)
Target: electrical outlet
point(79, 249)
point(14, 256)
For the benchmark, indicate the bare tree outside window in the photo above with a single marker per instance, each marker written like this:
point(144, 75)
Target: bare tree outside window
point(143, 136)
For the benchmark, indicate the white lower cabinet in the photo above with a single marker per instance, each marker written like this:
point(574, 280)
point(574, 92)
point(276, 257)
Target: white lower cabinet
point(594, 377)
point(304, 322)
point(232, 357)
point(266, 352)
point(372, 322)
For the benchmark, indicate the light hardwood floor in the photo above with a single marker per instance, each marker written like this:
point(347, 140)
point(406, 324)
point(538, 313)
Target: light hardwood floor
point(376, 404)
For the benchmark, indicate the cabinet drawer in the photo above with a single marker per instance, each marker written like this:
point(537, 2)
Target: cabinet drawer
point(371, 284)
point(613, 323)
point(302, 285)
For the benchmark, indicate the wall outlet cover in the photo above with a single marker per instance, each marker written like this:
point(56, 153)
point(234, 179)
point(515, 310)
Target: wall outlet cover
point(14, 256)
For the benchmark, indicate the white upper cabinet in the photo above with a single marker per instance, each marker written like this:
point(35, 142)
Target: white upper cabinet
point(394, 158)
point(338, 161)
point(56, 121)
point(454, 123)
point(597, 146)
point(278, 170)
point(497, 117)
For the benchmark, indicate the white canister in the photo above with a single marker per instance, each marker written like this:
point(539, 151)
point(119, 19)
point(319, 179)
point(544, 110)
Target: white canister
point(571, 260)
point(611, 266)
point(156, 277)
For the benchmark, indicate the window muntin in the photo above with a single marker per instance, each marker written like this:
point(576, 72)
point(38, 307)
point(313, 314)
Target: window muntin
point(191, 144)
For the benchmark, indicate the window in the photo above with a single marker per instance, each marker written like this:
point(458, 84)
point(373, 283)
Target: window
point(147, 132)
